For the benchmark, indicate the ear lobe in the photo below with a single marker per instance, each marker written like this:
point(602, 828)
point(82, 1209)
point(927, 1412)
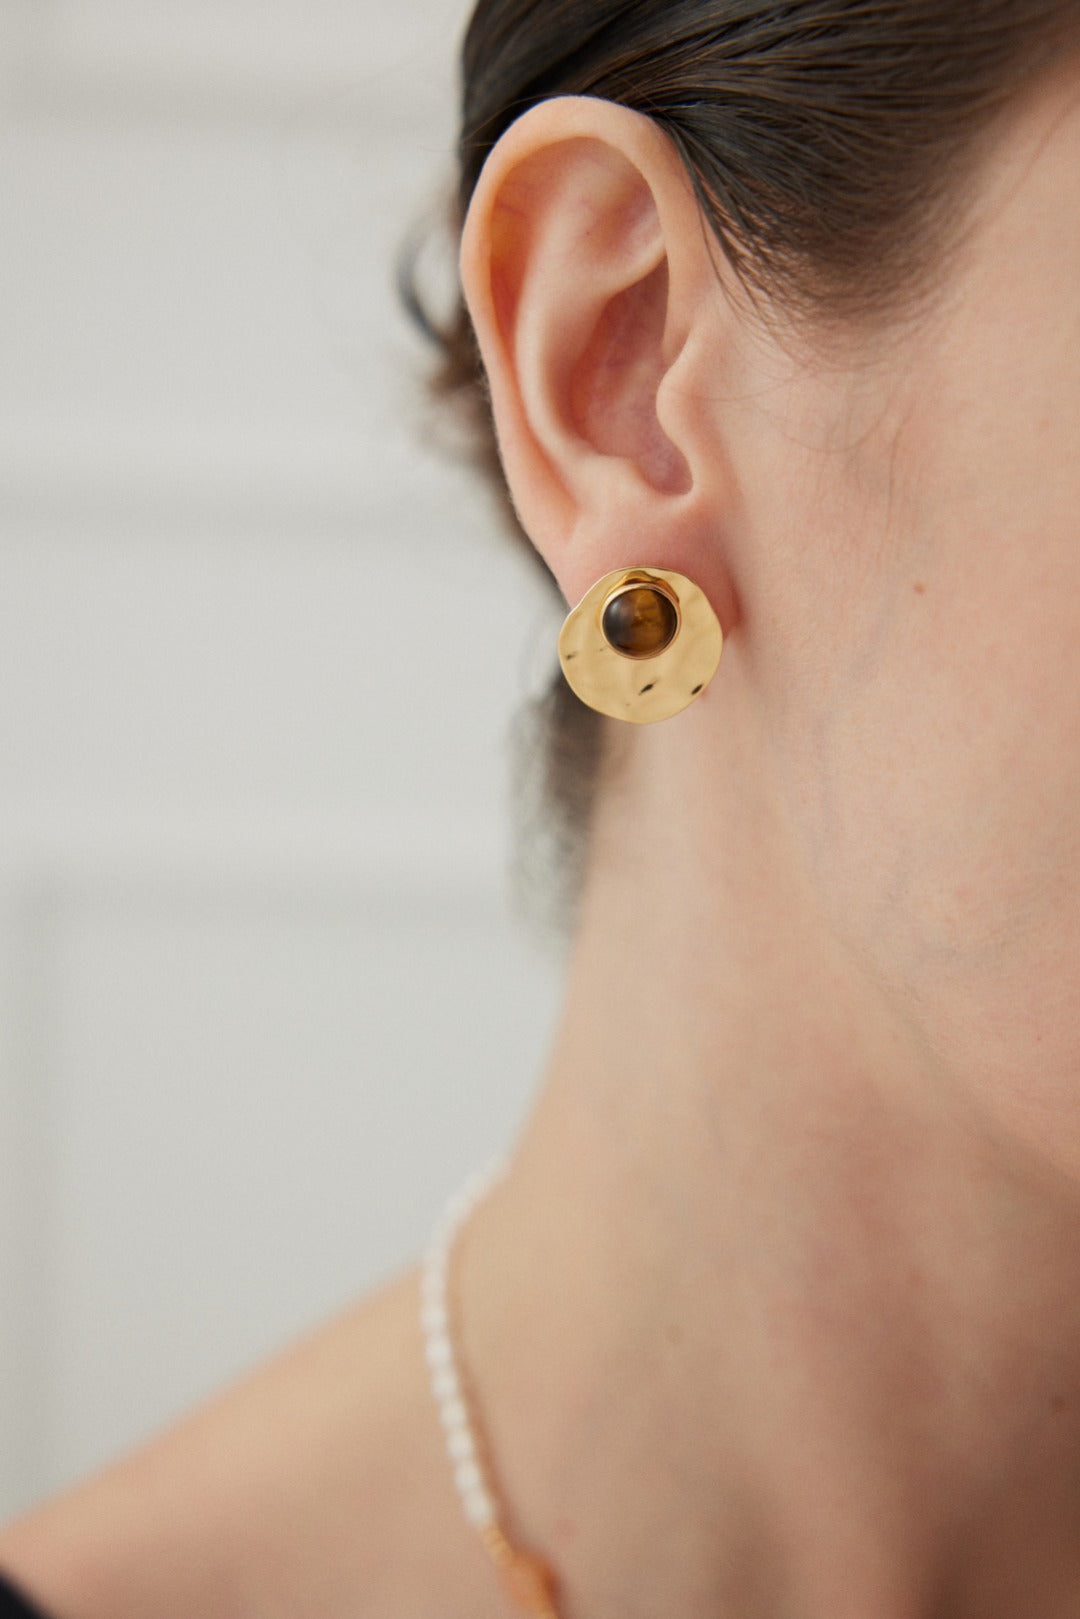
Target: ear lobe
point(565, 264)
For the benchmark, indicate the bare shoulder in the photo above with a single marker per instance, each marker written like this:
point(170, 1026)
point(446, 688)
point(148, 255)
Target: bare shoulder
point(297, 1491)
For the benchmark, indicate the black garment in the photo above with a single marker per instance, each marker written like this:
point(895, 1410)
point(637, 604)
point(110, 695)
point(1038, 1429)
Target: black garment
point(13, 1605)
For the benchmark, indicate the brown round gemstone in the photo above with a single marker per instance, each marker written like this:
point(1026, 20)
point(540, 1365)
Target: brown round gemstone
point(640, 621)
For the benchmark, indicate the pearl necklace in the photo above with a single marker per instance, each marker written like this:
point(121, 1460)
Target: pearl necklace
point(527, 1579)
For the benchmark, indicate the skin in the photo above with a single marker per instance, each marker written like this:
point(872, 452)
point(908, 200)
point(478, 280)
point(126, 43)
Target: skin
point(777, 1315)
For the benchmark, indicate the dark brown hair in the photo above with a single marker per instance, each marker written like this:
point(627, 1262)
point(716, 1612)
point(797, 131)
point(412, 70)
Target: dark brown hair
point(826, 141)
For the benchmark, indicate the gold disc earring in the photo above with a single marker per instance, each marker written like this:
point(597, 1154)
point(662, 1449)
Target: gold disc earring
point(641, 644)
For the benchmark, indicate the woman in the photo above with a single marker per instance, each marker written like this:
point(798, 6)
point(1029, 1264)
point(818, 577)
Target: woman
point(776, 1310)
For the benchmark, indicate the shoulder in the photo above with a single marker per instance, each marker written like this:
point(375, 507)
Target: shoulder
point(279, 1496)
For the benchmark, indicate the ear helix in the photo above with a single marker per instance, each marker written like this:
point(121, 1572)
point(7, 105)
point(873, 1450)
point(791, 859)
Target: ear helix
point(641, 644)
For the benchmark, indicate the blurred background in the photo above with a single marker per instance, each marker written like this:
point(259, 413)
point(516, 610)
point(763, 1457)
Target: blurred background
point(264, 996)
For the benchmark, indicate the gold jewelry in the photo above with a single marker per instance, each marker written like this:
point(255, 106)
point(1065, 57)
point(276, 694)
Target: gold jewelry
point(641, 644)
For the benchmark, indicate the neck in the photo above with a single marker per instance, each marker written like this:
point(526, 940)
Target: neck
point(769, 1318)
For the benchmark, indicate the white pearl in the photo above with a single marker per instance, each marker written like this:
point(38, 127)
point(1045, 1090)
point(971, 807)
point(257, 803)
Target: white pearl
point(433, 1317)
point(439, 1352)
point(467, 1476)
point(439, 1348)
point(479, 1508)
point(452, 1414)
point(445, 1385)
point(460, 1445)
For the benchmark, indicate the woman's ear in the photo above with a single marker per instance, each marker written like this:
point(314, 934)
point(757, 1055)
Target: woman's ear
point(588, 270)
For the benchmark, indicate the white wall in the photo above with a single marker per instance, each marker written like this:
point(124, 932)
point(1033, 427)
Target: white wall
point(263, 1001)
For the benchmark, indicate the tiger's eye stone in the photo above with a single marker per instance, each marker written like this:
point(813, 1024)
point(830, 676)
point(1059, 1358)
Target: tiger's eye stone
point(640, 622)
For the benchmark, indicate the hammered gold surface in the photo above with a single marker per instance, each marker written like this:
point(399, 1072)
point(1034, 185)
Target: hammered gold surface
point(641, 689)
